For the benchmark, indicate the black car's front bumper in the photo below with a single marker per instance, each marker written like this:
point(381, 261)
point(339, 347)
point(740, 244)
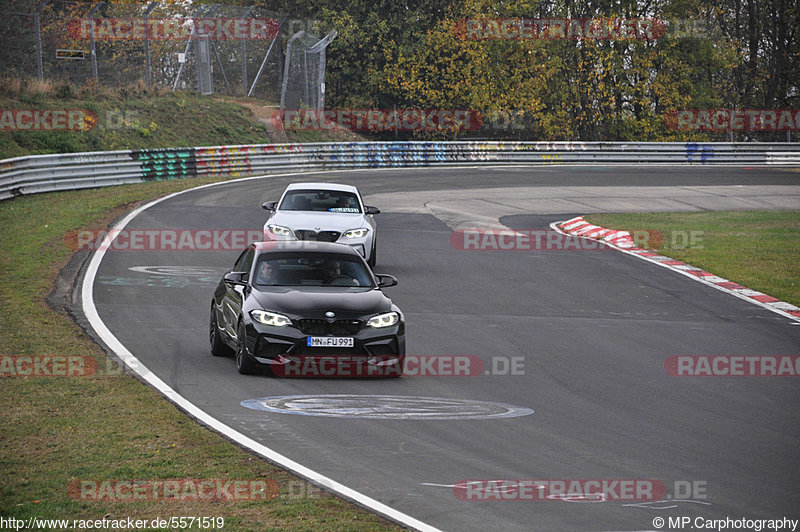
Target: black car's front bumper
point(280, 346)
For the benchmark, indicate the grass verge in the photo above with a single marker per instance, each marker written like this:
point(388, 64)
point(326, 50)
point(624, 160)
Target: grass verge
point(757, 249)
point(132, 119)
point(109, 426)
point(138, 116)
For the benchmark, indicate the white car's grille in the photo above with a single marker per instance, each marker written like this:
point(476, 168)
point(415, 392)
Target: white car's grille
point(319, 236)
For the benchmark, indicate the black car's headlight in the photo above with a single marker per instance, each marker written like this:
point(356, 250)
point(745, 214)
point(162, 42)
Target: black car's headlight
point(280, 230)
point(383, 320)
point(270, 318)
point(355, 233)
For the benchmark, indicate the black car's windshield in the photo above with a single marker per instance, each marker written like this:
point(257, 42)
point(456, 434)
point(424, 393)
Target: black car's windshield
point(302, 270)
point(320, 201)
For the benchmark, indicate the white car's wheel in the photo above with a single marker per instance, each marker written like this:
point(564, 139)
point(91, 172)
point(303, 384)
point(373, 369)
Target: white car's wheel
point(373, 257)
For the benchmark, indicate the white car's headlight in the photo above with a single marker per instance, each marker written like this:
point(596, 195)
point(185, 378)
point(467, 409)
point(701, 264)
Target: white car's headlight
point(355, 233)
point(383, 320)
point(270, 318)
point(280, 230)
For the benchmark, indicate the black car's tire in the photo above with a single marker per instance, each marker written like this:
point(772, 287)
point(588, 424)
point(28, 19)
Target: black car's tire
point(373, 258)
point(245, 364)
point(218, 347)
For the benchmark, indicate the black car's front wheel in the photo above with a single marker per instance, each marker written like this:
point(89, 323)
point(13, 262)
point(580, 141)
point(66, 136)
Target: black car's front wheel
point(218, 347)
point(245, 364)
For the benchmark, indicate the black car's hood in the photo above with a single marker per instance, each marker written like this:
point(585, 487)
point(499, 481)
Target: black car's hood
point(315, 302)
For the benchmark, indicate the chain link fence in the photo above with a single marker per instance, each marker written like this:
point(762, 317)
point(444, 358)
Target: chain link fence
point(237, 50)
point(304, 74)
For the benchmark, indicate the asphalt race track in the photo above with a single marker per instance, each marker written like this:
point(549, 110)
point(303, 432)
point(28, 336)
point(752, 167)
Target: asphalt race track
point(590, 331)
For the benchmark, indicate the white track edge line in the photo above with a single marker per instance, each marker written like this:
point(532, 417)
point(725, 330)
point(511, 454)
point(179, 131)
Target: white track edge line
point(555, 227)
point(89, 309)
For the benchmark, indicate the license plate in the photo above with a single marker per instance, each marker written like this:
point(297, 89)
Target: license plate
point(329, 341)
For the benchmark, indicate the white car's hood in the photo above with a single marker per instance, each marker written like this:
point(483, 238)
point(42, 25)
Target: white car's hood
point(325, 221)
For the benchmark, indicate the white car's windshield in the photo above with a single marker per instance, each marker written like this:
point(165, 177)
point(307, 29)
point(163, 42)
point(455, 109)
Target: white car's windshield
point(320, 201)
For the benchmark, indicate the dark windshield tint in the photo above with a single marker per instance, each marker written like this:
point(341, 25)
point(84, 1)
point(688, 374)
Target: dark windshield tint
point(302, 270)
point(320, 201)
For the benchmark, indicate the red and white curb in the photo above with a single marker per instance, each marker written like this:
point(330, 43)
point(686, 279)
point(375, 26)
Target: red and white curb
point(622, 241)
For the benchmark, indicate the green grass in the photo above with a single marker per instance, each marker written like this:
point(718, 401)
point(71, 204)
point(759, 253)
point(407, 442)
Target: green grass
point(54, 430)
point(138, 116)
point(757, 249)
point(128, 118)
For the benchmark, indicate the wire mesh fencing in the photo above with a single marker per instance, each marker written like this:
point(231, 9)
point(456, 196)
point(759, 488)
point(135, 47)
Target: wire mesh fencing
point(304, 73)
point(237, 50)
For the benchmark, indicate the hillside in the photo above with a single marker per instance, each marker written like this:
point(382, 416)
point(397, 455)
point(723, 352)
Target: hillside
point(139, 116)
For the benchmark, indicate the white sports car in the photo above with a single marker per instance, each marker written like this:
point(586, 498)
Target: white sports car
point(325, 212)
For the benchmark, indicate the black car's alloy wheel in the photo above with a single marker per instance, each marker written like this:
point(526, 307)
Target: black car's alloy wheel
point(244, 363)
point(218, 347)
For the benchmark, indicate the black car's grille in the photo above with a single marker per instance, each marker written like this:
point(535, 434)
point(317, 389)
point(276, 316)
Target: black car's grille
point(325, 327)
point(321, 236)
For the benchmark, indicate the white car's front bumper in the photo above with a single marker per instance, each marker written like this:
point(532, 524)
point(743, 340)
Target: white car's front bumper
point(363, 245)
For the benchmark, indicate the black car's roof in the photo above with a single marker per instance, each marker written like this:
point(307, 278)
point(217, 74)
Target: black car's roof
point(279, 246)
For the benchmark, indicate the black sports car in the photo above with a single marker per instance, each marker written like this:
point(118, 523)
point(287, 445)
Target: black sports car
point(307, 308)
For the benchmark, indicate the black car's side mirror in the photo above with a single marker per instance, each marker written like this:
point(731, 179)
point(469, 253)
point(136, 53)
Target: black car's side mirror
point(235, 278)
point(372, 210)
point(270, 205)
point(385, 281)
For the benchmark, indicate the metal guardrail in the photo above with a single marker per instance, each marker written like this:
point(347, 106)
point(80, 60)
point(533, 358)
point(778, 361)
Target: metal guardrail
point(46, 173)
